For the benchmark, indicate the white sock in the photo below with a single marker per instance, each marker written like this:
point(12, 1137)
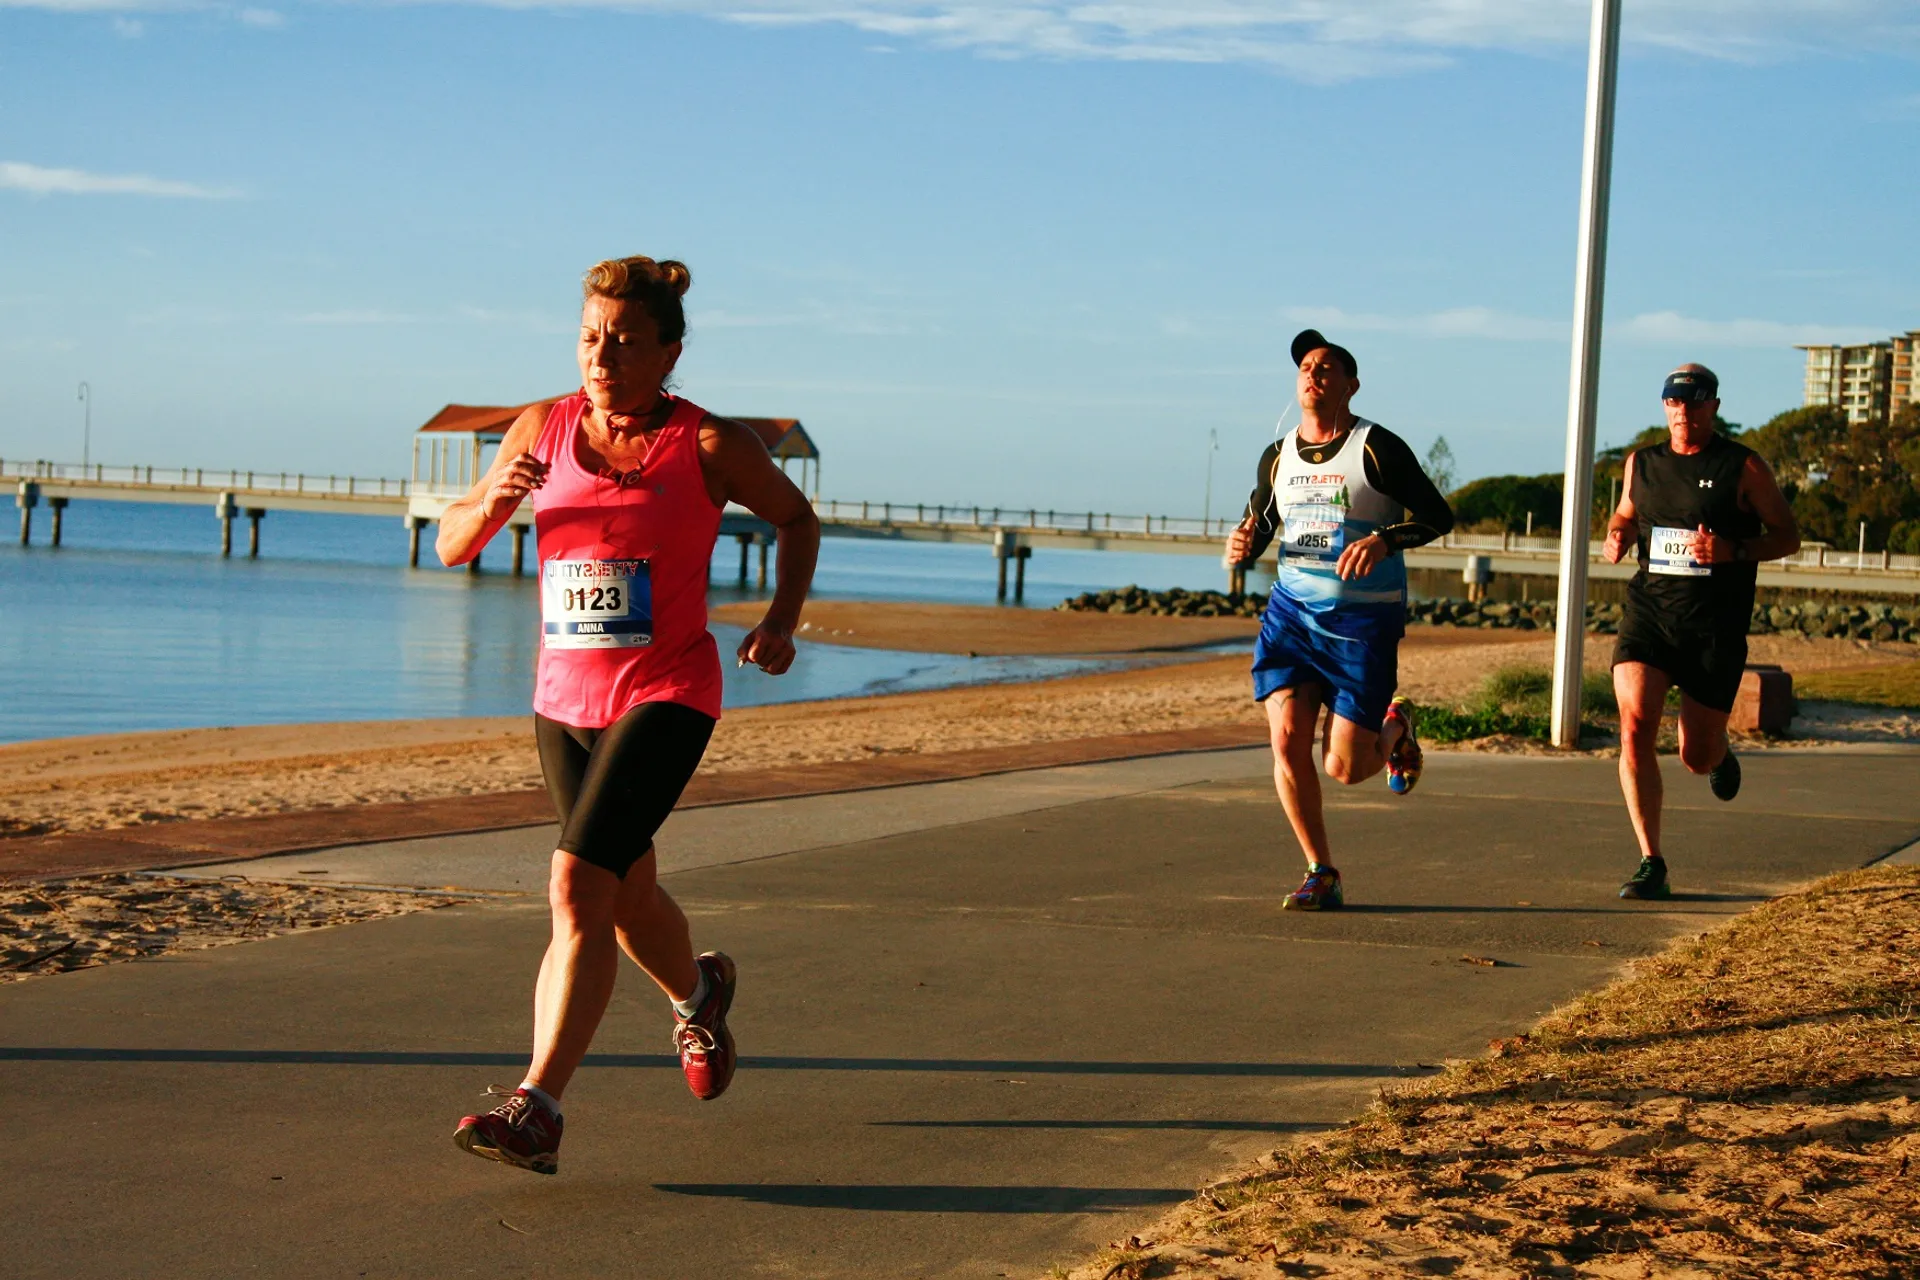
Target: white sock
point(541, 1096)
point(688, 1007)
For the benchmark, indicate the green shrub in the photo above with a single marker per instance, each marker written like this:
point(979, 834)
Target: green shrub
point(1528, 690)
point(1515, 700)
point(1504, 502)
point(1449, 724)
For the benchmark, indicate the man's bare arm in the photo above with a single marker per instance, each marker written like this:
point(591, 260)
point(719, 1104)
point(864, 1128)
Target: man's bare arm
point(1624, 524)
point(1761, 492)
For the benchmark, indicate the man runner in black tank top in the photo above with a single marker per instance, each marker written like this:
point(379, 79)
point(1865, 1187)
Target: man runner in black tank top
point(1702, 511)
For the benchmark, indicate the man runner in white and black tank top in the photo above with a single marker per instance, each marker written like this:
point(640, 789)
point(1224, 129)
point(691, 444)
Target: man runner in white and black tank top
point(1345, 497)
point(1701, 511)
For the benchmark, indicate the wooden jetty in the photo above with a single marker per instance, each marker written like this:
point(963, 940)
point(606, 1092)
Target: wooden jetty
point(1012, 534)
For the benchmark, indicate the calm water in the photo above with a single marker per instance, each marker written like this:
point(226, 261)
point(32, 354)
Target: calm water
point(135, 623)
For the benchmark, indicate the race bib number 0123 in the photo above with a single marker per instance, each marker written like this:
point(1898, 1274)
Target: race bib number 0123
point(596, 604)
point(1670, 552)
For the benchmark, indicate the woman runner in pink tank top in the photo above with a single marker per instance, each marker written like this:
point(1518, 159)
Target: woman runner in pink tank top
point(628, 484)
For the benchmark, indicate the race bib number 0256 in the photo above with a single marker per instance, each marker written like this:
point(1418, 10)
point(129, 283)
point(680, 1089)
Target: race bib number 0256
point(1670, 551)
point(1314, 534)
point(596, 604)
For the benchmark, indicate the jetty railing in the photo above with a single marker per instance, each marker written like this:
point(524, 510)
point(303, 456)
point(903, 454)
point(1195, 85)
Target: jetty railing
point(1053, 521)
point(291, 482)
point(1013, 531)
point(1812, 555)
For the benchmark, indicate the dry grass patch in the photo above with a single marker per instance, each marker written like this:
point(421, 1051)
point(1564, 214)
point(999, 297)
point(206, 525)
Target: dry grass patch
point(1876, 686)
point(1747, 1103)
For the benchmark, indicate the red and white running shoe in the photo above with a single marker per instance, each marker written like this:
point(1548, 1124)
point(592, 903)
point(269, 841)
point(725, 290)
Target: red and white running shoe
point(521, 1132)
point(703, 1042)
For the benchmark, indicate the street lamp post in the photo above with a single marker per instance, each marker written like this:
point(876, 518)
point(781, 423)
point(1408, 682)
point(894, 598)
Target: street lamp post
point(1590, 273)
point(86, 428)
point(1213, 447)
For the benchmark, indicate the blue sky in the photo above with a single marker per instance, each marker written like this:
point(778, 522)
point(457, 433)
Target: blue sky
point(1018, 253)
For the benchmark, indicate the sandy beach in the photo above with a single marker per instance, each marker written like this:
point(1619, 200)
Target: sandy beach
point(995, 632)
point(120, 780)
point(96, 920)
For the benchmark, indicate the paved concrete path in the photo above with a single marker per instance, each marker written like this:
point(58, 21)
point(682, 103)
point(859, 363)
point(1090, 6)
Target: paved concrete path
point(986, 1025)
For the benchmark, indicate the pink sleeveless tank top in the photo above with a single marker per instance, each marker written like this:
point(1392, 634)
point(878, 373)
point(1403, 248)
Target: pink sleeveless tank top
point(623, 576)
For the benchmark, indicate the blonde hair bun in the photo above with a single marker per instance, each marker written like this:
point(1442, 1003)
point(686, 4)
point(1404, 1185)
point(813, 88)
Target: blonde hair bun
point(656, 286)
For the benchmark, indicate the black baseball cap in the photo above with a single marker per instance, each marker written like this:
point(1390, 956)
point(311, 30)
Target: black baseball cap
point(1313, 340)
point(1691, 386)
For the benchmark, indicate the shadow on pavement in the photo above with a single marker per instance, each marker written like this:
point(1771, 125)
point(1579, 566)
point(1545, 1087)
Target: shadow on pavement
point(935, 1199)
point(1391, 909)
point(1205, 1126)
point(396, 1058)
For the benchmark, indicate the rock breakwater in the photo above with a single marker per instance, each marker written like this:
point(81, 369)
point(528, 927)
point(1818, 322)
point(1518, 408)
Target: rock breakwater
point(1877, 621)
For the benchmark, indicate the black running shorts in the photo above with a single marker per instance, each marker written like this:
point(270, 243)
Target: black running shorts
point(1705, 664)
point(613, 787)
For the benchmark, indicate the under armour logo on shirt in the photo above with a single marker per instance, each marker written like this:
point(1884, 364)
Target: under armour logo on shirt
point(1706, 484)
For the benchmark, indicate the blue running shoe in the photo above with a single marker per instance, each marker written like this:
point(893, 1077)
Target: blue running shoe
point(1404, 762)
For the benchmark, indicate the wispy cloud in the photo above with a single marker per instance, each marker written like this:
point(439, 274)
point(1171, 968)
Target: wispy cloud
point(850, 317)
point(360, 317)
point(1454, 322)
point(354, 316)
point(1316, 40)
point(1663, 327)
point(1672, 327)
point(529, 320)
point(40, 181)
point(247, 15)
point(1322, 40)
point(1902, 109)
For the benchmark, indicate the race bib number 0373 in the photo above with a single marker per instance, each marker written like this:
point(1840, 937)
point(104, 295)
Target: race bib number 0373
point(1670, 552)
point(596, 604)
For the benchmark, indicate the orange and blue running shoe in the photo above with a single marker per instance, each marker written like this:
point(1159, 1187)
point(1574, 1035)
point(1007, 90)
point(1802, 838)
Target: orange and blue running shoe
point(1320, 891)
point(1404, 762)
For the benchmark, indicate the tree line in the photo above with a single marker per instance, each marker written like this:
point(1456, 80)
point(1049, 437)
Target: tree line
point(1837, 475)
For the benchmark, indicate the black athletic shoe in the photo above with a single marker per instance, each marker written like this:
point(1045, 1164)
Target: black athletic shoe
point(1725, 778)
point(1649, 881)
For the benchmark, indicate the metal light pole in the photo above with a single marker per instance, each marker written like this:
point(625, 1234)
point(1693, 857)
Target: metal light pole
point(1213, 447)
point(1590, 273)
point(86, 429)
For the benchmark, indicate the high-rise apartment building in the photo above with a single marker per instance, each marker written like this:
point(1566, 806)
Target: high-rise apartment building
point(1903, 385)
point(1857, 378)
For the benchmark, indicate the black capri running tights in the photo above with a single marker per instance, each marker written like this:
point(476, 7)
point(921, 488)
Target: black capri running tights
point(613, 787)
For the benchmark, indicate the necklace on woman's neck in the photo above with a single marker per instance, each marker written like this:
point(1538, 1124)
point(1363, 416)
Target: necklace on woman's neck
point(645, 426)
point(646, 423)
